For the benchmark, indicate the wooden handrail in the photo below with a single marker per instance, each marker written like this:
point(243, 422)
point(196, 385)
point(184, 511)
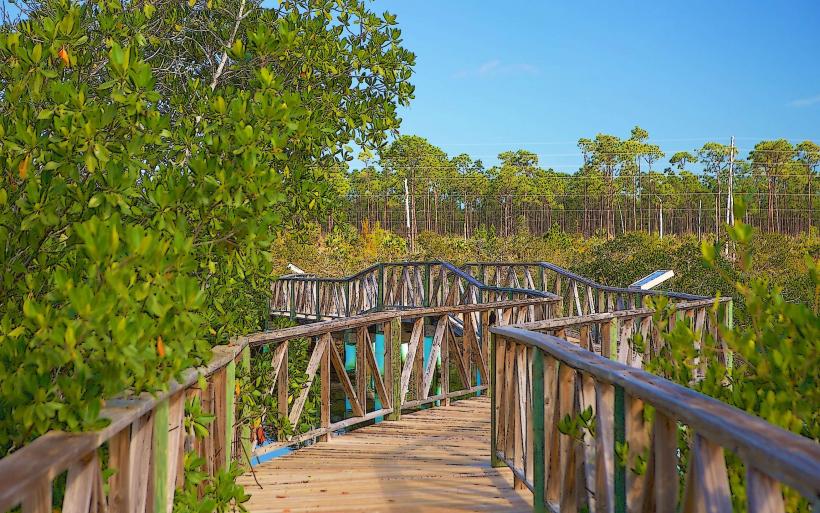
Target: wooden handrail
point(568, 470)
point(588, 282)
point(579, 320)
point(387, 285)
point(145, 437)
point(334, 325)
point(26, 474)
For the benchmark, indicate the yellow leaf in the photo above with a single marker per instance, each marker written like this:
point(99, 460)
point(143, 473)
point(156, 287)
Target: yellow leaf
point(22, 168)
point(63, 54)
point(160, 347)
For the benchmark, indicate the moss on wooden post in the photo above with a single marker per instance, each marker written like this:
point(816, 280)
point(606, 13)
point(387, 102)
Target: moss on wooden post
point(230, 395)
point(159, 451)
point(538, 446)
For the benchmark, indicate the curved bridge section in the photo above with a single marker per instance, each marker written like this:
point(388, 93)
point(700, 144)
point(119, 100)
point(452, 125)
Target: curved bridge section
point(392, 285)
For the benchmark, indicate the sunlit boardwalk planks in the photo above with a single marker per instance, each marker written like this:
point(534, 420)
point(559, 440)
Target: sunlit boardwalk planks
point(432, 460)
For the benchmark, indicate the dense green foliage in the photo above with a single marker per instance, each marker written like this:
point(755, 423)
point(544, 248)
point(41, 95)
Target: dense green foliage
point(151, 153)
point(619, 261)
point(776, 366)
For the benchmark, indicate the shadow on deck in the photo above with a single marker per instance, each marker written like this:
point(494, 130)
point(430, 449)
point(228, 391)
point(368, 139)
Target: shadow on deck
point(430, 460)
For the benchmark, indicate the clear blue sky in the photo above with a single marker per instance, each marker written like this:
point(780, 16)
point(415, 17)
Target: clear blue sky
point(492, 76)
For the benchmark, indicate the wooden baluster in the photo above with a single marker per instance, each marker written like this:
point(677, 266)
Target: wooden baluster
point(414, 349)
point(566, 443)
point(586, 458)
point(176, 445)
point(539, 440)
point(392, 365)
point(119, 484)
point(139, 457)
point(665, 459)
point(624, 341)
point(609, 338)
point(763, 493)
point(347, 386)
point(216, 432)
point(528, 414)
point(435, 351)
point(508, 401)
point(444, 371)
point(80, 484)
point(282, 391)
point(707, 483)
point(38, 499)
point(324, 387)
point(637, 434)
point(310, 372)
point(521, 389)
point(497, 359)
point(158, 483)
point(605, 449)
point(361, 368)
point(380, 388)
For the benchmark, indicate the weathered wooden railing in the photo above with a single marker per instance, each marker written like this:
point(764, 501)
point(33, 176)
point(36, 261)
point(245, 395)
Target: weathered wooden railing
point(632, 337)
point(143, 445)
point(584, 431)
point(580, 295)
point(392, 285)
point(455, 361)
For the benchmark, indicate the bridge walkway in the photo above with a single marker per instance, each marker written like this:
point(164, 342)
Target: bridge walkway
point(432, 460)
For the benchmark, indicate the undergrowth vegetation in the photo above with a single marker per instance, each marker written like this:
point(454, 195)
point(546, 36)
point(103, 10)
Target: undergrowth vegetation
point(779, 258)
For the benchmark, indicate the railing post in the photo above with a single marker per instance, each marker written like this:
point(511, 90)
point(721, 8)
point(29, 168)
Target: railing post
point(609, 339)
point(230, 395)
point(494, 461)
point(392, 344)
point(245, 368)
point(324, 377)
point(538, 468)
point(620, 440)
point(159, 450)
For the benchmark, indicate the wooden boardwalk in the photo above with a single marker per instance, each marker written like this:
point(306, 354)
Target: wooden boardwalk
point(433, 460)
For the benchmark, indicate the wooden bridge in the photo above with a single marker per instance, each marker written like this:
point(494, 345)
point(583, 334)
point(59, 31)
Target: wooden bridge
point(381, 404)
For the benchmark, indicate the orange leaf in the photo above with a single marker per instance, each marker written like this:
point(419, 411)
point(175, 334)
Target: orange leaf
point(63, 54)
point(22, 168)
point(160, 347)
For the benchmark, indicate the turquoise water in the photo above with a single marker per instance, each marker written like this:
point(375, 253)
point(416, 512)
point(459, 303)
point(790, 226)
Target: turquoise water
point(338, 413)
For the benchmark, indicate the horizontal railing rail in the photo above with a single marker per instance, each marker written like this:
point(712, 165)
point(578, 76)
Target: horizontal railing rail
point(584, 431)
point(581, 295)
point(633, 337)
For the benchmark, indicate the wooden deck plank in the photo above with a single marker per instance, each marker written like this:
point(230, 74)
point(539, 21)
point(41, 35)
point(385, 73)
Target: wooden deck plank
point(432, 460)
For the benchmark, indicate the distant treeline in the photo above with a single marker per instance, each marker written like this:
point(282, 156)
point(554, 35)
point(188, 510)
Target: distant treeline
point(414, 185)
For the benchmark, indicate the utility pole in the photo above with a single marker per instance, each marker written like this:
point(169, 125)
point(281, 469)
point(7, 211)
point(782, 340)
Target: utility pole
point(730, 202)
